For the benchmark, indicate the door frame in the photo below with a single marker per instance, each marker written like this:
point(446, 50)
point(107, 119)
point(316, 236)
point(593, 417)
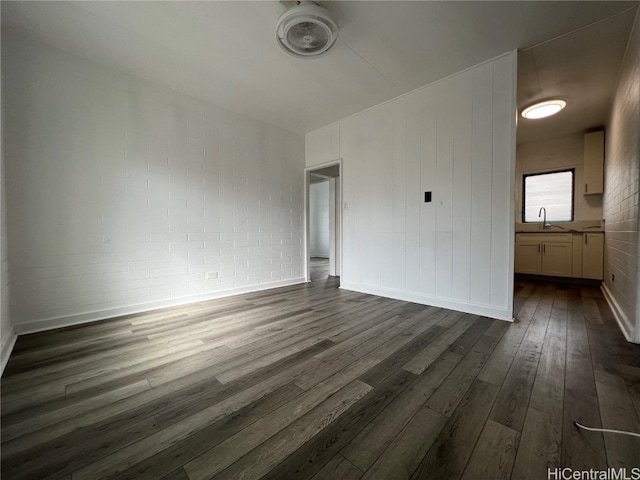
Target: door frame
point(338, 207)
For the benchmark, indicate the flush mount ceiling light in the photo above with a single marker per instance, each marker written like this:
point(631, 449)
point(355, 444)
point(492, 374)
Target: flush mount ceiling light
point(544, 109)
point(307, 31)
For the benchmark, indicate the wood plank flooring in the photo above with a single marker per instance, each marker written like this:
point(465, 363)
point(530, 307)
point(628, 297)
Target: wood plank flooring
point(314, 382)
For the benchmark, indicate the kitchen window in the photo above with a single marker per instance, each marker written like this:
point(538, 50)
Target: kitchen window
point(553, 191)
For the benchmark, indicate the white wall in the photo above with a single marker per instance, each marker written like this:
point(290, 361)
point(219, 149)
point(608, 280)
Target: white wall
point(455, 138)
point(322, 145)
point(557, 154)
point(7, 333)
point(319, 238)
point(124, 196)
point(622, 175)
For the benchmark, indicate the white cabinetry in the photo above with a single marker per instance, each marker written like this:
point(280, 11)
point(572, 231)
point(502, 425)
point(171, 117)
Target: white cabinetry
point(593, 255)
point(593, 163)
point(528, 256)
point(544, 254)
point(557, 258)
point(577, 255)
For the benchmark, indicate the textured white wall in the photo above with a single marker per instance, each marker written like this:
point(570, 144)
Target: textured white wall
point(622, 174)
point(557, 154)
point(455, 138)
point(319, 219)
point(123, 195)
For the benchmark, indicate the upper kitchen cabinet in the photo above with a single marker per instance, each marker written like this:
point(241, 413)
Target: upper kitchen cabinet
point(593, 163)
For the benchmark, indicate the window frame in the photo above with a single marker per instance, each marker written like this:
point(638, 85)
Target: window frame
point(573, 193)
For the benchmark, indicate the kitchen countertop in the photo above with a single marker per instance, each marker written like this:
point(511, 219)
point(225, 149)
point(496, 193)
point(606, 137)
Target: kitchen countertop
point(579, 226)
point(563, 230)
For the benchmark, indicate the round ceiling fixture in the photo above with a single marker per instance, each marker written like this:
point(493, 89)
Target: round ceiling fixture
point(544, 109)
point(307, 31)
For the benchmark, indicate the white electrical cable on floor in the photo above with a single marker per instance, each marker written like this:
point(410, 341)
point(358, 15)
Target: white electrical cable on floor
point(606, 430)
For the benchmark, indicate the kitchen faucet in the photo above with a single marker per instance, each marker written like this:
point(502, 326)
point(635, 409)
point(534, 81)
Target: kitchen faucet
point(544, 220)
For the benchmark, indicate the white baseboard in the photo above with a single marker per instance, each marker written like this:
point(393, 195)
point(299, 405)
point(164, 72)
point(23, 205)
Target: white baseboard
point(67, 321)
point(623, 321)
point(7, 348)
point(476, 309)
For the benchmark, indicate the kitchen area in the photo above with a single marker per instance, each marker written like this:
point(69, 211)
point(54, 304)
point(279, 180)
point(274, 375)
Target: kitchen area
point(559, 227)
point(564, 95)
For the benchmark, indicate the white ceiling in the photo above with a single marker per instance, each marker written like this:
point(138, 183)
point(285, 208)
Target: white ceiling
point(226, 53)
point(581, 67)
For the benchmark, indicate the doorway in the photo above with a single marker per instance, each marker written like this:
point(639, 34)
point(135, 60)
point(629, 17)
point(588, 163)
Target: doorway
point(323, 242)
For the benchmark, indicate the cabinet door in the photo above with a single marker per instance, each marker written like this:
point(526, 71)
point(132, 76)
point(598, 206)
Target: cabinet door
point(527, 257)
point(592, 255)
point(593, 162)
point(557, 259)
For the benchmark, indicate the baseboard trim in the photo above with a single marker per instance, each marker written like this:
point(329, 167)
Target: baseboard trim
point(623, 321)
point(68, 321)
point(476, 309)
point(7, 348)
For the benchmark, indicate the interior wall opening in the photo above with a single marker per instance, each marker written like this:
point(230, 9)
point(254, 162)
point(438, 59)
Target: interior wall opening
point(323, 223)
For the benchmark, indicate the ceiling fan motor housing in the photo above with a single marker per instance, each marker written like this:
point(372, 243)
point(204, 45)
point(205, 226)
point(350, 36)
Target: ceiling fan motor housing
point(307, 31)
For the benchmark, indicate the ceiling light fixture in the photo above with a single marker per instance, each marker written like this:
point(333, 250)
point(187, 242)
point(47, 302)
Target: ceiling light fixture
point(544, 109)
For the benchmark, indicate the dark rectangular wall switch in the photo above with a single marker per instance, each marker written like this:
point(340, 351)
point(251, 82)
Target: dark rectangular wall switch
point(427, 197)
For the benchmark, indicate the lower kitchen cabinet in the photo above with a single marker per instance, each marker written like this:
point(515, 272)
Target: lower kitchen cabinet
point(559, 254)
point(592, 256)
point(528, 257)
point(557, 259)
point(544, 254)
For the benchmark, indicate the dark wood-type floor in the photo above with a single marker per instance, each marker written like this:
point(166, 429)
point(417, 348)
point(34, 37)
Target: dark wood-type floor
point(319, 269)
point(313, 382)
